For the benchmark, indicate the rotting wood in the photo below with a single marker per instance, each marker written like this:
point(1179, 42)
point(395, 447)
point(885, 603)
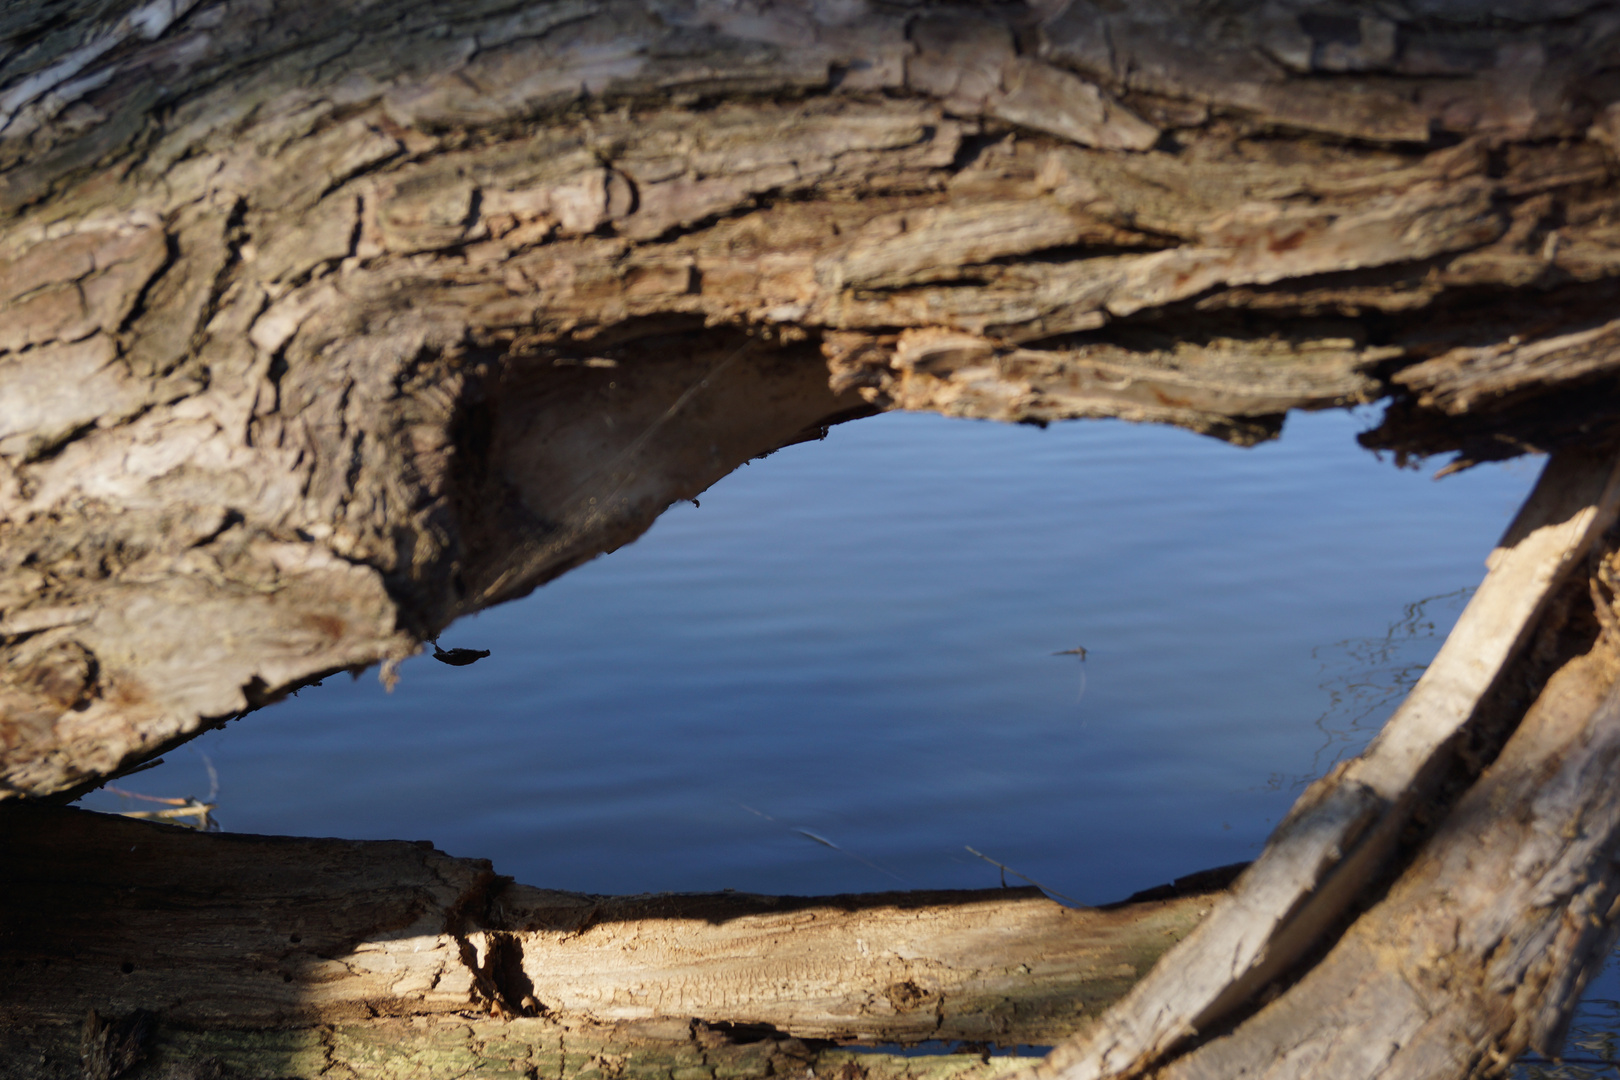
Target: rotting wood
point(234, 934)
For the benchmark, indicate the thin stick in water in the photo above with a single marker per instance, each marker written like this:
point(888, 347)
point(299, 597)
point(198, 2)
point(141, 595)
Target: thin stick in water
point(824, 842)
point(1005, 870)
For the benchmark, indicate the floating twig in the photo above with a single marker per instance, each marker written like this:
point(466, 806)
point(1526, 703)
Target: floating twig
point(1080, 651)
point(178, 810)
point(824, 842)
point(1005, 870)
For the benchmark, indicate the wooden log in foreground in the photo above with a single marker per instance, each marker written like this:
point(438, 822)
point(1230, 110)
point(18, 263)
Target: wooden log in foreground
point(324, 325)
point(1480, 947)
point(280, 956)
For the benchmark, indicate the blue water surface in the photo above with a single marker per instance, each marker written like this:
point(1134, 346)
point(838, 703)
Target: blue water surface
point(837, 673)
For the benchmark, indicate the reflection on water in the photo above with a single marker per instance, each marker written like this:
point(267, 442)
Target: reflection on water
point(1366, 678)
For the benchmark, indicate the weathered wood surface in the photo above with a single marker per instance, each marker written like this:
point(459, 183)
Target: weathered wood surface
point(322, 325)
point(1339, 837)
point(309, 310)
point(235, 934)
point(475, 1048)
point(1478, 880)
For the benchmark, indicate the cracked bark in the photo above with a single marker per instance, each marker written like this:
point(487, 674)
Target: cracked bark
point(322, 326)
point(241, 946)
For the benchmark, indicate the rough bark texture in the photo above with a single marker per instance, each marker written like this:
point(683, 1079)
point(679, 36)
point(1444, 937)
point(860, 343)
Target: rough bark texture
point(266, 942)
point(322, 325)
point(327, 324)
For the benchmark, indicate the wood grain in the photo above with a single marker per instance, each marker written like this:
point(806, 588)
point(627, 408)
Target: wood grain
point(226, 933)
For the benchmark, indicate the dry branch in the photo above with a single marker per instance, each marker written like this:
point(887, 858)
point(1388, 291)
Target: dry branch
point(1341, 833)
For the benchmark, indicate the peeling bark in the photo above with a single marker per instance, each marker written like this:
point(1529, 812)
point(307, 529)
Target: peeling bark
point(321, 326)
point(324, 326)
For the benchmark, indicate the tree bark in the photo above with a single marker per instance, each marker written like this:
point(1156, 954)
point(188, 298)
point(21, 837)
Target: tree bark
point(323, 325)
point(251, 943)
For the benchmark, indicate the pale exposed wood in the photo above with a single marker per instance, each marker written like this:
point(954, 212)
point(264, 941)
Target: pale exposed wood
point(322, 325)
point(241, 932)
point(1338, 837)
point(457, 1048)
point(1480, 950)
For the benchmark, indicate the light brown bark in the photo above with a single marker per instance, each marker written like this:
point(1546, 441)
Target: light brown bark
point(287, 287)
point(321, 326)
point(224, 936)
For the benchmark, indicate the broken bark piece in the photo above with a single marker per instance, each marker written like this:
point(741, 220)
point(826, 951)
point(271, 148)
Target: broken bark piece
point(1495, 377)
point(1336, 839)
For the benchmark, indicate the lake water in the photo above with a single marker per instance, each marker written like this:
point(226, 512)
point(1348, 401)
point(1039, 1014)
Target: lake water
point(837, 673)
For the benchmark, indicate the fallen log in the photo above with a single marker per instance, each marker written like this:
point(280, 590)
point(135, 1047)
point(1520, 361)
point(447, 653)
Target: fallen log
point(324, 326)
point(1339, 836)
point(243, 945)
point(1500, 908)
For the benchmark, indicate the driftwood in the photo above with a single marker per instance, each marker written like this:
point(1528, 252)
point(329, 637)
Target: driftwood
point(321, 326)
point(316, 943)
point(1476, 951)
